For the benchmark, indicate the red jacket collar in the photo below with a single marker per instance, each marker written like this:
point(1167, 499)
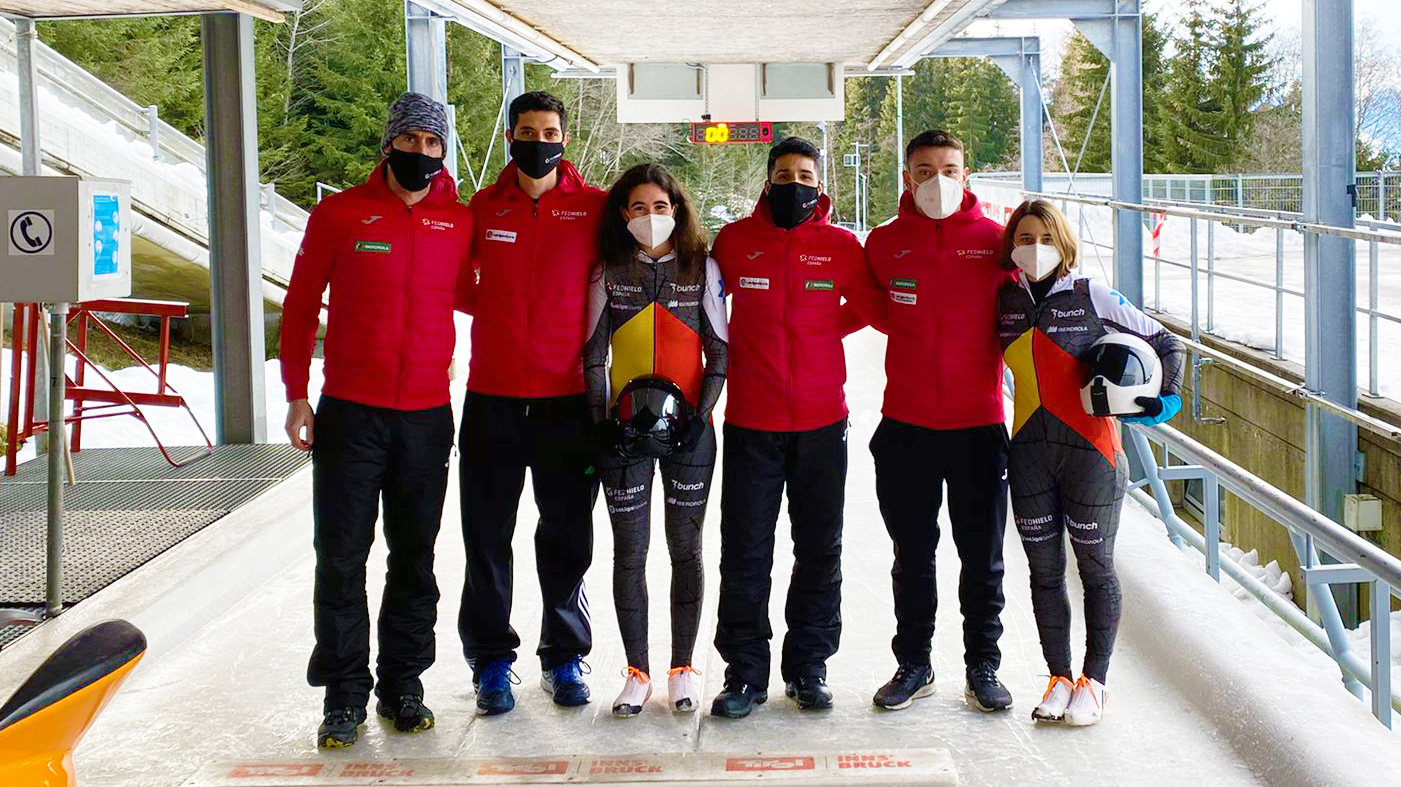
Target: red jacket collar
point(970, 210)
point(441, 191)
point(820, 215)
point(508, 187)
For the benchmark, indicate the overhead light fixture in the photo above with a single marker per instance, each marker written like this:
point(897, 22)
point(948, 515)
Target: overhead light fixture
point(930, 12)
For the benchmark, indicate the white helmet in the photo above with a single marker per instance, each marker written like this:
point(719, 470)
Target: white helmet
point(1122, 367)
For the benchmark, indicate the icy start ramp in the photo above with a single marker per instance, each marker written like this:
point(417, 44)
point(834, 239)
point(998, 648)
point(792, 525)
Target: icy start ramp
point(933, 767)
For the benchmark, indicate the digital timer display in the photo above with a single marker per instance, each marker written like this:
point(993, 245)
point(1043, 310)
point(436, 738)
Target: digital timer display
point(748, 133)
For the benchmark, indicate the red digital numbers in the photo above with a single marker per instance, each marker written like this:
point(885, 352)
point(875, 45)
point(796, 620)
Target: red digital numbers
point(747, 133)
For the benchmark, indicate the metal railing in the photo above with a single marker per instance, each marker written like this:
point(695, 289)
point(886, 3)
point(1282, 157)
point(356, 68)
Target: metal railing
point(1313, 537)
point(1373, 233)
point(1378, 194)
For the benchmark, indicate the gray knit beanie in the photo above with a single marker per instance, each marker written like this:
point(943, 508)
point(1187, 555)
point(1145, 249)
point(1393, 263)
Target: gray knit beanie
point(415, 112)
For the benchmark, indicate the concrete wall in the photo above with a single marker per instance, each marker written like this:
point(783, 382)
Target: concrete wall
point(1264, 432)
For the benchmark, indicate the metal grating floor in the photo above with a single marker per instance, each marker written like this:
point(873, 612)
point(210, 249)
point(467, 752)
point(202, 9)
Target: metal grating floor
point(128, 507)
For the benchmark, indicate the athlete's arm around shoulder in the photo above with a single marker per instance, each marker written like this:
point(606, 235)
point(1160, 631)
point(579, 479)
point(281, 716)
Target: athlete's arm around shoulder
point(865, 298)
point(466, 272)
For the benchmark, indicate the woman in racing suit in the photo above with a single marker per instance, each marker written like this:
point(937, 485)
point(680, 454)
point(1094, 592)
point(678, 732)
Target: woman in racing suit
point(657, 304)
point(1066, 468)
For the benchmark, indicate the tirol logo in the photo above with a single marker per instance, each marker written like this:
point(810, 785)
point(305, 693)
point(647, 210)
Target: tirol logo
point(907, 298)
point(752, 764)
point(812, 284)
point(374, 247)
point(523, 768)
point(504, 236)
point(750, 283)
point(903, 284)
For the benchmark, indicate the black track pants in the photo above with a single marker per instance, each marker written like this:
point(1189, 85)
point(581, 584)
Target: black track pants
point(627, 488)
point(361, 455)
point(1061, 488)
point(913, 465)
point(500, 438)
point(756, 468)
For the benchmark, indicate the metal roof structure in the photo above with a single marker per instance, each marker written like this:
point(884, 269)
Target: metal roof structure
point(270, 10)
point(866, 33)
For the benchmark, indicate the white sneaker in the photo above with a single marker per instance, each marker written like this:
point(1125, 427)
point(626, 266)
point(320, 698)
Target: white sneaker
point(683, 688)
point(634, 694)
point(1087, 705)
point(1054, 701)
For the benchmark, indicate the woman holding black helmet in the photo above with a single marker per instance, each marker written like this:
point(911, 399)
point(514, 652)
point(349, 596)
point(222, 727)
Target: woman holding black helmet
point(657, 303)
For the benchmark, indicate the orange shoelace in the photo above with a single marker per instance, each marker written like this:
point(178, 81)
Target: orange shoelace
point(681, 669)
point(1051, 687)
point(1085, 682)
point(634, 672)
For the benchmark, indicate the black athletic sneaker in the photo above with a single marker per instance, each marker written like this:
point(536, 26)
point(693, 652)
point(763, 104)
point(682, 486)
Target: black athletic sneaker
point(911, 682)
point(984, 691)
point(737, 700)
point(337, 730)
point(811, 693)
point(407, 711)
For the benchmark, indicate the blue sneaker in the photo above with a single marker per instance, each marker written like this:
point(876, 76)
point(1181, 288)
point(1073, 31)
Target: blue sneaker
point(493, 684)
point(565, 684)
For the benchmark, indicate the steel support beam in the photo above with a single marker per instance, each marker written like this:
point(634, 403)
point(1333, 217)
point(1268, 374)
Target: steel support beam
point(235, 259)
point(426, 43)
point(1056, 9)
point(1126, 148)
point(31, 160)
point(1330, 297)
point(1020, 59)
point(512, 86)
point(899, 136)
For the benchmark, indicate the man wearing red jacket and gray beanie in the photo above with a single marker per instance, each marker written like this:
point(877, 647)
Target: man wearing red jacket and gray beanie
point(391, 250)
point(534, 249)
point(787, 269)
point(943, 424)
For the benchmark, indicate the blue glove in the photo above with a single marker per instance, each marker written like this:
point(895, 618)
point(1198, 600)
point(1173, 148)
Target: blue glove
point(1156, 410)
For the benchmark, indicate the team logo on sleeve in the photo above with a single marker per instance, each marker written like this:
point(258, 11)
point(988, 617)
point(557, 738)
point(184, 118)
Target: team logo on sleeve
point(751, 283)
point(504, 236)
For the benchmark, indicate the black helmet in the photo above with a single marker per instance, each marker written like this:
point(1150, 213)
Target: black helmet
point(653, 414)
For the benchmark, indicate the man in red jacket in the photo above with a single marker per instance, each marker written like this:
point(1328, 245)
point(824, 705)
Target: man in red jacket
point(787, 269)
point(391, 250)
point(534, 249)
point(943, 419)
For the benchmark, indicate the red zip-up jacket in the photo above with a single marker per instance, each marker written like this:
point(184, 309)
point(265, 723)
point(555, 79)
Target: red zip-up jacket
point(943, 365)
point(529, 301)
point(393, 272)
point(787, 367)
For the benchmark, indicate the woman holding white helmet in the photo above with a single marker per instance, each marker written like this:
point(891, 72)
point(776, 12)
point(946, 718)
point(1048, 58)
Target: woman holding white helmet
point(1060, 333)
point(656, 311)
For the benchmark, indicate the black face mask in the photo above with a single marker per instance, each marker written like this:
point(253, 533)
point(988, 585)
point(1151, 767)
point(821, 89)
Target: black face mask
point(791, 204)
point(413, 171)
point(536, 159)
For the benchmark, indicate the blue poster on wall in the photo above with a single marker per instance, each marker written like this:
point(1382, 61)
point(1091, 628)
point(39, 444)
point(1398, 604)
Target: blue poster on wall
point(106, 230)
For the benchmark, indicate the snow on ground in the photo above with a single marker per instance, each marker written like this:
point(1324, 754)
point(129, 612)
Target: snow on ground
point(1275, 578)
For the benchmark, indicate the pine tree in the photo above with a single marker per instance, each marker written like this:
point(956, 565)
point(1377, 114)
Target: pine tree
point(1083, 77)
point(1191, 116)
point(1238, 80)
